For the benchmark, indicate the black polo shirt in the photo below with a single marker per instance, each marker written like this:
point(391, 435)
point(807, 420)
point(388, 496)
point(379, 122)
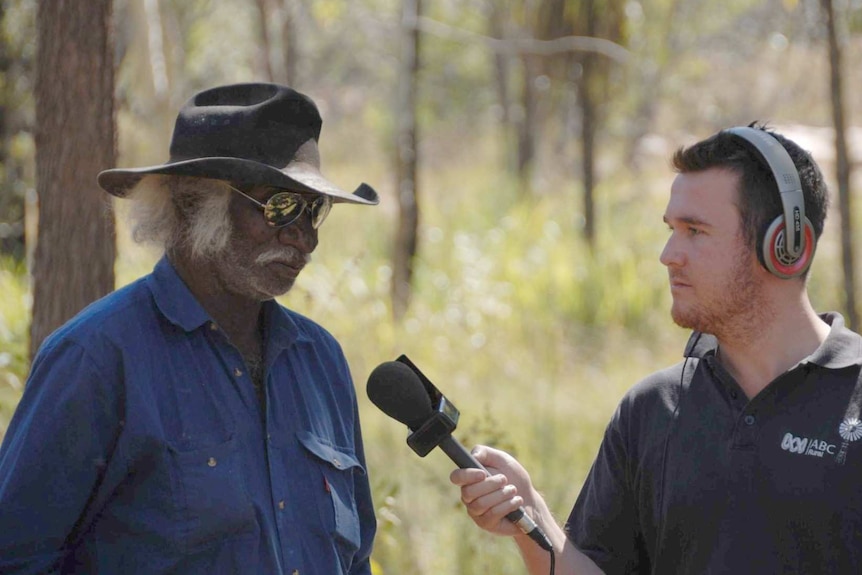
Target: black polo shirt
point(692, 477)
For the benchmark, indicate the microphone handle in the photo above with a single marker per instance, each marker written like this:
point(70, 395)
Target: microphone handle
point(465, 460)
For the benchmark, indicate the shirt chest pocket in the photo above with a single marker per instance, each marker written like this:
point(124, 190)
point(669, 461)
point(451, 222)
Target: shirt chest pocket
point(335, 501)
point(210, 493)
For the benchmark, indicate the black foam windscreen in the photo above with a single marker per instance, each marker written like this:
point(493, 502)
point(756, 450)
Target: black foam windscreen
point(398, 392)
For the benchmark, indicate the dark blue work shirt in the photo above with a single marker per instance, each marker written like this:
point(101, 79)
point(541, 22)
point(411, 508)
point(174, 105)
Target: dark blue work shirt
point(139, 447)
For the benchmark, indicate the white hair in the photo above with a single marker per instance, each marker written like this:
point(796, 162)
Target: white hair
point(181, 213)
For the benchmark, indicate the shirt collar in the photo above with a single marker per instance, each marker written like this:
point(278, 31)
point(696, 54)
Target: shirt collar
point(180, 307)
point(174, 299)
point(282, 330)
point(841, 348)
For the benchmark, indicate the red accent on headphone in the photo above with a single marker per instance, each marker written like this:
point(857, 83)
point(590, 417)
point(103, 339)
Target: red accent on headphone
point(797, 267)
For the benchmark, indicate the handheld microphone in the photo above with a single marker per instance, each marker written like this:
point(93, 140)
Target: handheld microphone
point(403, 393)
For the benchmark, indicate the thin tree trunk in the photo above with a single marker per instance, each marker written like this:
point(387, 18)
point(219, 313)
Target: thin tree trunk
point(650, 82)
point(156, 49)
point(75, 130)
point(588, 145)
point(502, 74)
point(842, 166)
point(406, 162)
point(290, 40)
point(265, 49)
point(589, 120)
point(527, 125)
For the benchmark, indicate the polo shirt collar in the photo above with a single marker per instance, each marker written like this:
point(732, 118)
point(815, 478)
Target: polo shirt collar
point(700, 344)
point(842, 347)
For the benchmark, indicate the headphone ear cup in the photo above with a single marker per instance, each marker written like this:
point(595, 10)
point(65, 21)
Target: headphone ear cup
point(775, 256)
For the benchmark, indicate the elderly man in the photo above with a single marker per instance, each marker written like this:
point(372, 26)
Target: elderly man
point(188, 423)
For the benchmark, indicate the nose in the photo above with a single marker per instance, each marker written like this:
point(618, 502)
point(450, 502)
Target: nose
point(671, 255)
point(299, 234)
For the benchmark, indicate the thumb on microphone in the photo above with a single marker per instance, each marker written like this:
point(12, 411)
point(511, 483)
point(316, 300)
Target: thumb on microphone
point(498, 461)
point(496, 458)
point(481, 453)
point(469, 475)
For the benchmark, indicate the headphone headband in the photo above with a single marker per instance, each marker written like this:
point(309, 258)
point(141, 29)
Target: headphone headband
point(789, 186)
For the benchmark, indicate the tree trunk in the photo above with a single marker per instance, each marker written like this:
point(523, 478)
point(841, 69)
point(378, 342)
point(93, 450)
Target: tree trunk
point(650, 79)
point(588, 145)
point(589, 120)
point(842, 166)
point(265, 51)
point(406, 162)
point(502, 72)
point(75, 129)
point(156, 50)
point(527, 123)
point(290, 41)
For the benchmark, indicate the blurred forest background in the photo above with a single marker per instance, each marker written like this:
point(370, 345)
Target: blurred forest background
point(521, 151)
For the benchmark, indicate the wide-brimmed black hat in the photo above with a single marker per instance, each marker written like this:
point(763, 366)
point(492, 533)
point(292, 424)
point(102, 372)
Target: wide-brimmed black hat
point(248, 134)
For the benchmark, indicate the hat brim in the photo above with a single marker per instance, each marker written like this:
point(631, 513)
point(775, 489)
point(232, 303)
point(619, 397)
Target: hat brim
point(297, 176)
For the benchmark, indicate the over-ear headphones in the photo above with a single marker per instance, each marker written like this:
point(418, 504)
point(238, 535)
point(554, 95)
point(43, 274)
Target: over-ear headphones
point(784, 254)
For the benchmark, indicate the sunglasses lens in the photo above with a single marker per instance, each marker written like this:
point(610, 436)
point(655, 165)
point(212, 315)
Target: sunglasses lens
point(319, 210)
point(282, 208)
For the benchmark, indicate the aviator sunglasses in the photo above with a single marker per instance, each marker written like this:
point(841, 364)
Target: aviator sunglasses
point(284, 208)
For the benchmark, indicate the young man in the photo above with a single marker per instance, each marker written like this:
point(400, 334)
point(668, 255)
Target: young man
point(188, 423)
point(746, 456)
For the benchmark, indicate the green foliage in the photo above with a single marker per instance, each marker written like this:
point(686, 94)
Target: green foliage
point(14, 325)
point(17, 55)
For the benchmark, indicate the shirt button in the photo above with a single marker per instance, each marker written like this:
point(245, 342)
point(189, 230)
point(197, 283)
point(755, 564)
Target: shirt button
point(336, 462)
point(281, 504)
point(734, 395)
point(295, 572)
point(212, 462)
point(213, 326)
point(749, 420)
point(237, 371)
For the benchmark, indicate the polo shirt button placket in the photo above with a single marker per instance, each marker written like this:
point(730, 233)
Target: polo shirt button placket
point(745, 433)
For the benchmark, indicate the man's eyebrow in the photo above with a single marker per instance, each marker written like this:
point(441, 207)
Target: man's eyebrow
point(690, 220)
